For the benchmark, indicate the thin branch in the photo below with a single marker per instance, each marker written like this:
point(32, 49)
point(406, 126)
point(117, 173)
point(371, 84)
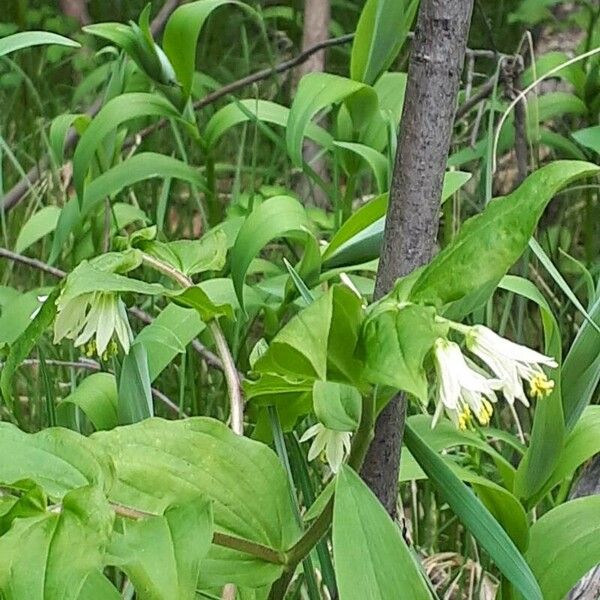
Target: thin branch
point(211, 359)
point(236, 402)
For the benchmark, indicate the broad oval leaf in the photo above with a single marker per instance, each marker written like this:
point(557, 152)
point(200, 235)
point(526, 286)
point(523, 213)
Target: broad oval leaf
point(37, 226)
point(201, 456)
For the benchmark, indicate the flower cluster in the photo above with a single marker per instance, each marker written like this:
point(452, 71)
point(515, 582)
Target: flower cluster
point(92, 320)
point(465, 390)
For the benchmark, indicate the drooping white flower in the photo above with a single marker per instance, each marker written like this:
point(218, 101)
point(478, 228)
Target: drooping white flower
point(512, 363)
point(99, 314)
point(334, 444)
point(461, 389)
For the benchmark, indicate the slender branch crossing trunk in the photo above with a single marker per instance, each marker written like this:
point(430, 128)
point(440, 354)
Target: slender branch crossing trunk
point(436, 63)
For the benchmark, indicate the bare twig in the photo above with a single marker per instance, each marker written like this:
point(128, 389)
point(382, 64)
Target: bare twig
point(32, 262)
point(236, 402)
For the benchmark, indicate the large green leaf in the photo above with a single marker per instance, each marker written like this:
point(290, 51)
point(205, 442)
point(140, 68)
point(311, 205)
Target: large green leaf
point(181, 37)
point(138, 167)
point(113, 114)
point(394, 343)
point(565, 544)
point(242, 111)
point(159, 463)
point(58, 460)
point(490, 243)
point(318, 91)
point(37, 557)
point(372, 559)
point(26, 39)
point(279, 216)
point(161, 555)
point(475, 517)
point(376, 161)
point(380, 33)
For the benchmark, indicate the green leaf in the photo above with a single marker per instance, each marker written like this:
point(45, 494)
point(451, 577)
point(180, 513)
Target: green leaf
point(26, 39)
point(29, 500)
point(381, 32)
point(168, 335)
point(58, 460)
point(135, 394)
point(372, 560)
point(201, 456)
point(565, 545)
point(318, 91)
point(98, 587)
point(491, 242)
point(336, 405)
point(96, 396)
point(395, 341)
point(241, 111)
point(588, 137)
point(475, 517)
point(37, 558)
point(138, 167)
point(548, 423)
point(377, 162)
point(25, 343)
point(279, 216)
point(161, 555)
point(359, 239)
point(181, 37)
point(60, 127)
point(113, 114)
point(36, 227)
point(196, 298)
point(581, 444)
point(581, 369)
point(192, 256)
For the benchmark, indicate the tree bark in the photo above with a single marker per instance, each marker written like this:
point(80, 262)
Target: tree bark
point(588, 587)
point(317, 15)
point(411, 227)
point(76, 9)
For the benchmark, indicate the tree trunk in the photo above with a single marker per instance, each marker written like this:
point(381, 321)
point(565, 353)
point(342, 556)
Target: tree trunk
point(76, 9)
point(588, 587)
point(317, 15)
point(435, 68)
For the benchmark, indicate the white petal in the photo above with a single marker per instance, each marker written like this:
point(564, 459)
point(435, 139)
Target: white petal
point(318, 445)
point(311, 432)
point(335, 452)
point(106, 322)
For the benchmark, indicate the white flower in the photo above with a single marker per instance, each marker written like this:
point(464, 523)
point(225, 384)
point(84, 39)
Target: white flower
point(335, 444)
point(461, 389)
point(99, 314)
point(512, 363)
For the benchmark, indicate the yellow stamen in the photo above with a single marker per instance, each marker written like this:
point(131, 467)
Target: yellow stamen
point(485, 413)
point(464, 418)
point(540, 386)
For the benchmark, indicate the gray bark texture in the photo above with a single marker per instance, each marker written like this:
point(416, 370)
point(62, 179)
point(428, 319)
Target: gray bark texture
point(317, 15)
point(435, 68)
point(588, 587)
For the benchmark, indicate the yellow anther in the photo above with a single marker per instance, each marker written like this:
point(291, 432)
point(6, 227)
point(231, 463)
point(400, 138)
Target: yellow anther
point(486, 412)
point(540, 386)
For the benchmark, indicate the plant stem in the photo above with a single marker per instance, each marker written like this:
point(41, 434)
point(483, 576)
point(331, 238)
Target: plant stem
point(229, 369)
